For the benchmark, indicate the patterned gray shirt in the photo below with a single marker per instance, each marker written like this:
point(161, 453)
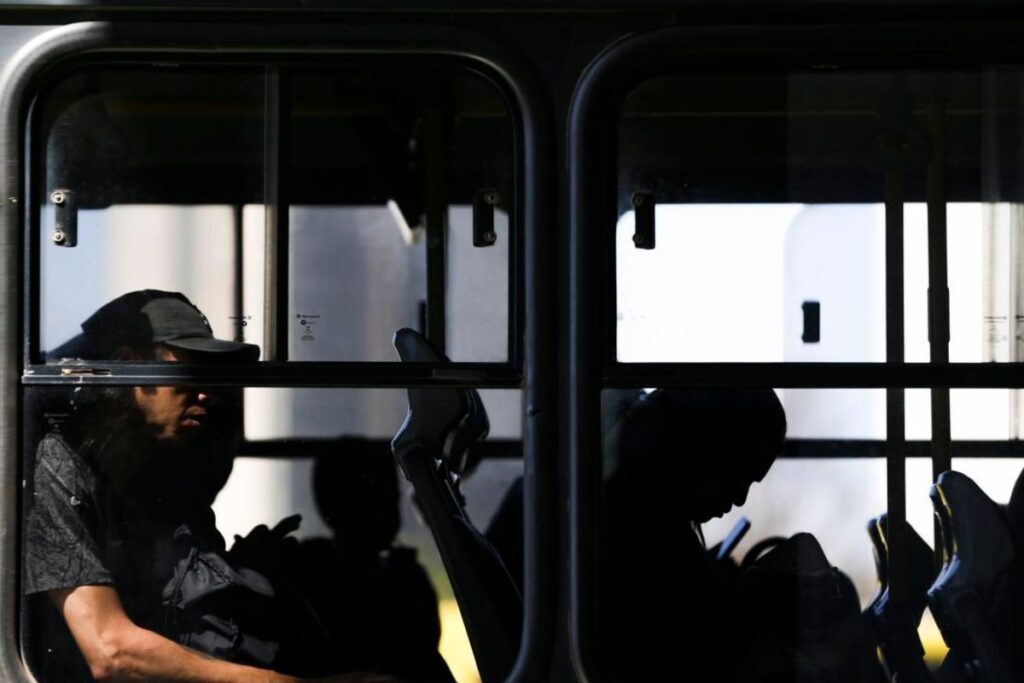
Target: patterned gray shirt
point(64, 534)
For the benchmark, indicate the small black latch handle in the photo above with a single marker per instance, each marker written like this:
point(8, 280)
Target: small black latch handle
point(812, 322)
point(65, 218)
point(484, 202)
point(643, 211)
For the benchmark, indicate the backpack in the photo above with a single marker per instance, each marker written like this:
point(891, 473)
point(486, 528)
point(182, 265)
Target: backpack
point(805, 617)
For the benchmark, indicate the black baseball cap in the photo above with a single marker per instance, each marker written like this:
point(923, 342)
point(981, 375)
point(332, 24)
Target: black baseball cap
point(152, 316)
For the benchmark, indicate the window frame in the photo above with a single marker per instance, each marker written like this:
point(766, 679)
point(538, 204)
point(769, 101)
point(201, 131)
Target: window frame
point(593, 214)
point(531, 268)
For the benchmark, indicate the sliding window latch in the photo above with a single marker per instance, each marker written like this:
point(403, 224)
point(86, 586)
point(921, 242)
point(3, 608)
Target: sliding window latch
point(643, 212)
point(484, 202)
point(812, 322)
point(65, 218)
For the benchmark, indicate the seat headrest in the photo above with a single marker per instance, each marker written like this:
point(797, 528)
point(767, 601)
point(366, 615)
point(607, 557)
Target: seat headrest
point(970, 598)
point(447, 421)
point(919, 565)
point(1015, 510)
point(974, 527)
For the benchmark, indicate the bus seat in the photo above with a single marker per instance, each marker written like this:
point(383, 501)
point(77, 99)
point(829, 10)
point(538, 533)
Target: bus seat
point(974, 595)
point(878, 545)
point(899, 645)
point(921, 571)
point(1015, 511)
point(505, 531)
point(431, 447)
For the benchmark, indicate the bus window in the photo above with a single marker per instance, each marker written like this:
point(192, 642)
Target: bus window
point(227, 219)
point(368, 161)
point(156, 178)
point(769, 219)
point(283, 427)
point(975, 414)
point(782, 218)
point(984, 415)
point(383, 595)
point(142, 168)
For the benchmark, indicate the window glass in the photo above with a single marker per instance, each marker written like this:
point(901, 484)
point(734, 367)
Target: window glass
point(155, 178)
point(134, 481)
point(355, 281)
point(975, 414)
point(982, 270)
point(752, 215)
point(147, 182)
point(835, 414)
point(371, 164)
point(335, 318)
point(327, 413)
point(478, 289)
point(678, 477)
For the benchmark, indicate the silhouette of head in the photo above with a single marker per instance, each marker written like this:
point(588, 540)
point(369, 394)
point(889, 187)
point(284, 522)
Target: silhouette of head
point(356, 491)
point(702, 448)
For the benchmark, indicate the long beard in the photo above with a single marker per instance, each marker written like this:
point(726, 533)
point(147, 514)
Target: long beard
point(170, 481)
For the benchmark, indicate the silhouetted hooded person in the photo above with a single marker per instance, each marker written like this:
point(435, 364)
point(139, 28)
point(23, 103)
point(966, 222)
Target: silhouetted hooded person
point(373, 597)
point(681, 457)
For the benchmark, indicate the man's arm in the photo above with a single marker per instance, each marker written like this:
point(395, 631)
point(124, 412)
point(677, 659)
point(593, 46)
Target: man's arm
point(117, 650)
